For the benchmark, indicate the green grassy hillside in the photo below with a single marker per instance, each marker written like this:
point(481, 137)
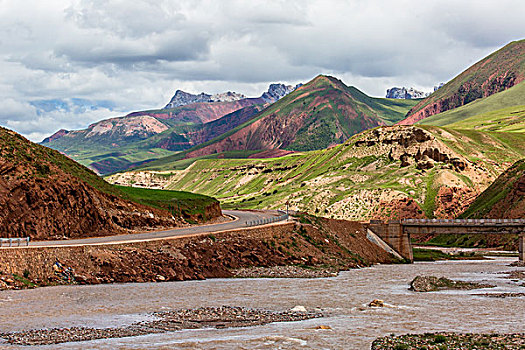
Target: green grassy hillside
point(354, 179)
point(495, 73)
point(505, 198)
point(499, 112)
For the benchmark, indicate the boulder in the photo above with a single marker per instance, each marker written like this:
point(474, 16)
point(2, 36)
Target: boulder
point(376, 303)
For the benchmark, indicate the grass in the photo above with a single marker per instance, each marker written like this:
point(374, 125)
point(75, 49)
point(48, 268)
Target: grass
point(505, 241)
point(496, 192)
point(498, 112)
point(511, 119)
point(344, 181)
point(177, 202)
point(422, 254)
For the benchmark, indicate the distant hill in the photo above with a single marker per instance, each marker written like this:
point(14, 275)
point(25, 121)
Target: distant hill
point(45, 195)
point(505, 197)
point(504, 111)
point(319, 114)
point(117, 143)
point(386, 173)
point(495, 73)
point(172, 140)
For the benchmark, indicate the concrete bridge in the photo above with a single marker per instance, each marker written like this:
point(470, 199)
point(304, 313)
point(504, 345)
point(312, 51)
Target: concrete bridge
point(397, 233)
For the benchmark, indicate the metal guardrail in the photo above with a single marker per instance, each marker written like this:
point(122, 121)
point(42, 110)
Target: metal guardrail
point(282, 217)
point(464, 221)
point(10, 241)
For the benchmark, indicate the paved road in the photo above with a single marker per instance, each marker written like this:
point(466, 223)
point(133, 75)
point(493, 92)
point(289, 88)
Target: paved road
point(241, 218)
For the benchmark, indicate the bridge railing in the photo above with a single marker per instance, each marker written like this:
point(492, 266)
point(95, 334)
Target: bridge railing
point(464, 221)
point(265, 221)
point(8, 242)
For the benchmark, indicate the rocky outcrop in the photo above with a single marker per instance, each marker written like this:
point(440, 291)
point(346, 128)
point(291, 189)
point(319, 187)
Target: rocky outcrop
point(277, 91)
point(412, 145)
point(182, 98)
point(404, 93)
point(451, 201)
point(397, 209)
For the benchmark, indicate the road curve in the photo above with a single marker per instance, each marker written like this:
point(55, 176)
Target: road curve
point(240, 220)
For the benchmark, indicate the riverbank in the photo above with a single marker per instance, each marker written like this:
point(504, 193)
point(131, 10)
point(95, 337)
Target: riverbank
point(332, 245)
point(451, 341)
point(343, 301)
point(169, 321)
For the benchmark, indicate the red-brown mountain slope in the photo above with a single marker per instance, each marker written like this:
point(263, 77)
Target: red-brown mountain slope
point(496, 72)
point(317, 115)
point(45, 195)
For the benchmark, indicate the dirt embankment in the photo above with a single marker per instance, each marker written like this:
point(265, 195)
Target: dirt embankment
point(335, 243)
point(45, 195)
point(59, 207)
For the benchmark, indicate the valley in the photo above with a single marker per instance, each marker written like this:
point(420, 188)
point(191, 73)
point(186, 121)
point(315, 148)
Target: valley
point(388, 172)
point(270, 221)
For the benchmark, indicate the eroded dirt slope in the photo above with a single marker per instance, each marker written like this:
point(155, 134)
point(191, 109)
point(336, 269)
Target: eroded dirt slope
point(45, 195)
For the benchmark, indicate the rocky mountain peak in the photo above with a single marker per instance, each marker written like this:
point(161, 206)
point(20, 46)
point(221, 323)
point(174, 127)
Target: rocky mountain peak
point(182, 98)
point(227, 97)
point(277, 91)
point(404, 93)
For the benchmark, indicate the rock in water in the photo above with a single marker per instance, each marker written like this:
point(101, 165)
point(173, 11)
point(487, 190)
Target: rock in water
point(323, 327)
point(376, 303)
point(432, 283)
point(299, 308)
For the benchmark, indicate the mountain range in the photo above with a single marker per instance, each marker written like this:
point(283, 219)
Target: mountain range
point(321, 113)
point(326, 147)
point(115, 144)
point(436, 168)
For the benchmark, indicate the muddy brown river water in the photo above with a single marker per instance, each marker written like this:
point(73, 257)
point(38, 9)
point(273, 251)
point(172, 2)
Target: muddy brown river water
point(342, 299)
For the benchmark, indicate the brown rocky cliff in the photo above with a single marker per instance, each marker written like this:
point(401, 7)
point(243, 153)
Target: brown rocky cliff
point(61, 206)
point(45, 195)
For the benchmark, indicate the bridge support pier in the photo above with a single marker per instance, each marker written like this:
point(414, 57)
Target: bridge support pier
point(394, 234)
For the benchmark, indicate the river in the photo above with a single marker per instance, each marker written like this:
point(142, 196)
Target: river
point(342, 299)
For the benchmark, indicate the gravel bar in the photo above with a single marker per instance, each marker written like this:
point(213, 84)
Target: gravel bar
point(283, 272)
point(206, 317)
point(450, 341)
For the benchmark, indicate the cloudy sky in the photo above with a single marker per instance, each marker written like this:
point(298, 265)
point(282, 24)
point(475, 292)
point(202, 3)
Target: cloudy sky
point(65, 64)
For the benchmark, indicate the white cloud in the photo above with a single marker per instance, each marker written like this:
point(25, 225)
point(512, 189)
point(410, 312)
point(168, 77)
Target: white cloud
point(136, 53)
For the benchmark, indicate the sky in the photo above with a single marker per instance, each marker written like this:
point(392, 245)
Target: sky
point(66, 64)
